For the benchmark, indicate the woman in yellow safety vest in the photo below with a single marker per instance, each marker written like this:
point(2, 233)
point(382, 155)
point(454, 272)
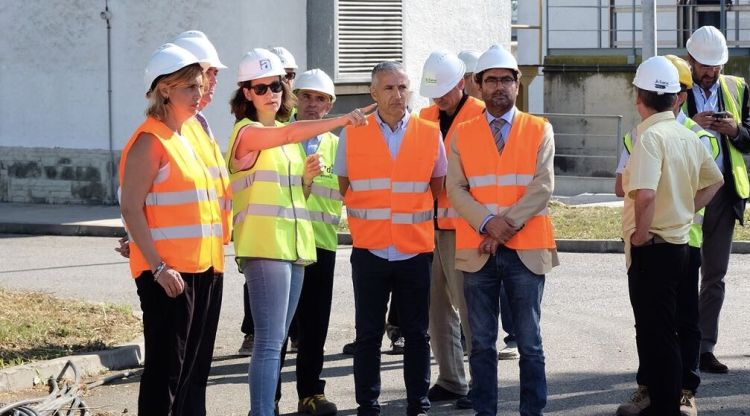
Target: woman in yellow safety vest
point(171, 209)
point(273, 235)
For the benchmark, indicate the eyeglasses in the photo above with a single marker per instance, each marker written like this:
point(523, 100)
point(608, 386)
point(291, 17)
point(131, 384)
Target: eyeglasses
point(290, 76)
point(261, 89)
point(494, 82)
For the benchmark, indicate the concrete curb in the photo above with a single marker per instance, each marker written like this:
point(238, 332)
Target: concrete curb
point(29, 375)
point(344, 239)
point(79, 230)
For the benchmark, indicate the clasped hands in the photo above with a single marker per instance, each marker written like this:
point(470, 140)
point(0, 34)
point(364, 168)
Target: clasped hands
point(498, 231)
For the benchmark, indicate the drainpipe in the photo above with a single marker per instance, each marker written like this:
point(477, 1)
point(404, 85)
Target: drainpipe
point(648, 13)
point(107, 16)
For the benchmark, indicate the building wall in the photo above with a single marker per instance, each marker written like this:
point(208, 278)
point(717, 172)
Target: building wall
point(452, 25)
point(54, 77)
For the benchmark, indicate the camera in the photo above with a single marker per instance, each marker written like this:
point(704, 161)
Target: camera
point(721, 114)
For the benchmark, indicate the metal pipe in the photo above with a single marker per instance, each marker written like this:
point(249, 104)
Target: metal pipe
point(107, 16)
point(648, 31)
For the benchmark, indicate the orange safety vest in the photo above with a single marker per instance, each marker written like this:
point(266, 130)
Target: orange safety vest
point(498, 181)
point(389, 201)
point(446, 215)
point(210, 153)
point(181, 207)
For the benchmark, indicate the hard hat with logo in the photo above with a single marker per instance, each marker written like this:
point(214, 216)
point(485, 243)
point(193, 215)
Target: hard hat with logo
point(440, 74)
point(259, 63)
point(683, 68)
point(657, 74)
point(198, 44)
point(708, 46)
point(166, 60)
point(286, 57)
point(315, 80)
point(470, 57)
point(496, 57)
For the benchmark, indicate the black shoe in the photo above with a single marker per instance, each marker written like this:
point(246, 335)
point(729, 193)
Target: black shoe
point(348, 349)
point(710, 364)
point(464, 403)
point(438, 393)
point(397, 347)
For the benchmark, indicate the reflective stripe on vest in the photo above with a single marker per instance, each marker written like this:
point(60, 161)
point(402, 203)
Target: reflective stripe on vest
point(446, 216)
point(324, 192)
point(181, 207)
point(325, 218)
point(385, 214)
point(271, 219)
point(186, 231)
point(265, 176)
point(498, 181)
point(506, 180)
point(389, 201)
point(180, 197)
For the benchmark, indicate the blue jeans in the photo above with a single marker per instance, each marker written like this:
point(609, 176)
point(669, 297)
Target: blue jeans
point(506, 319)
point(274, 287)
point(524, 290)
point(409, 282)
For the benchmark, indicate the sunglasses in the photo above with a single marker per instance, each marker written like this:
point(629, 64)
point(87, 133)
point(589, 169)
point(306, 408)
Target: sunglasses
point(261, 89)
point(290, 76)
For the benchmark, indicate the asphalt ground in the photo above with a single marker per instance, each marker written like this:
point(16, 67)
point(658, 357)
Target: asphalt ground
point(587, 326)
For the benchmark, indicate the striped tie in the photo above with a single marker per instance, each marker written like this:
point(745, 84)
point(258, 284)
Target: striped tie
point(497, 126)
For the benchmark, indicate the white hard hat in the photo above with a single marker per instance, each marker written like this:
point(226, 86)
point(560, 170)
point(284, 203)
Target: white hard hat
point(496, 57)
point(315, 80)
point(286, 57)
point(440, 74)
point(470, 57)
point(198, 44)
point(259, 63)
point(708, 46)
point(166, 60)
point(657, 74)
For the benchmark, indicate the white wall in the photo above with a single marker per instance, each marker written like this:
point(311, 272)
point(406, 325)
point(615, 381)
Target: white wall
point(54, 70)
point(451, 25)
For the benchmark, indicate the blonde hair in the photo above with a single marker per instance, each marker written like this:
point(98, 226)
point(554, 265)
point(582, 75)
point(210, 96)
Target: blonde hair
point(157, 104)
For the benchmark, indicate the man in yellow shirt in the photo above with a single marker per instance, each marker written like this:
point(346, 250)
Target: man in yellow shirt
point(670, 176)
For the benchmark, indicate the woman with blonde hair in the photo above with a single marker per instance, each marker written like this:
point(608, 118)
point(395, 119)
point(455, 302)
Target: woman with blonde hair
point(273, 236)
point(173, 217)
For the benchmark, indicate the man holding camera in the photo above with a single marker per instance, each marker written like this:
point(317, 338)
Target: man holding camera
point(719, 104)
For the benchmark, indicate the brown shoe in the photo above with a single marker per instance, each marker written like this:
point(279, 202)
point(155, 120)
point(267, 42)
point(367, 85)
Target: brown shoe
point(687, 404)
point(638, 401)
point(709, 364)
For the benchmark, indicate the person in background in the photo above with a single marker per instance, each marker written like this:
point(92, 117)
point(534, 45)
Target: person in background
point(443, 82)
point(719, 104)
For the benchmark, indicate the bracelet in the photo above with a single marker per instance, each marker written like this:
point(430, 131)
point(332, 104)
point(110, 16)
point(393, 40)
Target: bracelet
point(160, 268)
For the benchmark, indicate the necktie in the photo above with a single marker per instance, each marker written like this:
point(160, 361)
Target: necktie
point(497, 125)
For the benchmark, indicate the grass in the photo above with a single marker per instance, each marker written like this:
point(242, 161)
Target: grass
point(594, 223)
point(37, 326)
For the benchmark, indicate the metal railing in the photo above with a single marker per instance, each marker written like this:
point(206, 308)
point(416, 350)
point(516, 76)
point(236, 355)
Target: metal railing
point(593, 142)
point(614, 24)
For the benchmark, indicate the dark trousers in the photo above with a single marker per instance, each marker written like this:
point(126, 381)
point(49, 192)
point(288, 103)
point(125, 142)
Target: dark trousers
point(179, 340)
point(688, 334)
point(655, 276)
point(374, 279)
point(247, 327)
point(311, 319)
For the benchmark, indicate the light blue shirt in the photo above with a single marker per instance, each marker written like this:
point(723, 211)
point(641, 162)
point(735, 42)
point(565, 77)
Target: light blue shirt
point(505, 130)
point(393, 139)
point(702, 103)
point(310, 145)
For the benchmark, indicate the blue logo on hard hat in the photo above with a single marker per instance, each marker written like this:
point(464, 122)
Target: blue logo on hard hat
point(265, 64)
